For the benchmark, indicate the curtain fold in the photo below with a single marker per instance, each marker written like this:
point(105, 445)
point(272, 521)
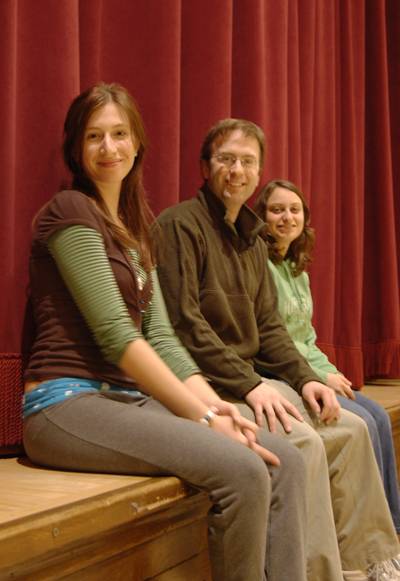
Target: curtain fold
point(323, 80)
point(381, 289)
point(346, 196)
point(206, 83)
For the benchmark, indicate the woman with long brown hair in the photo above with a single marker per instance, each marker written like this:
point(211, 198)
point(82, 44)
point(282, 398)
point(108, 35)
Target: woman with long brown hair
point(290, 239)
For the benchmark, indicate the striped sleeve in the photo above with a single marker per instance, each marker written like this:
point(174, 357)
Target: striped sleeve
point(82, 261)
point(158, 331)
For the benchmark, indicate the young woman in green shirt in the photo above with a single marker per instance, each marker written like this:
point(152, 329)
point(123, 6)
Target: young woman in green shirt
point(290, 241)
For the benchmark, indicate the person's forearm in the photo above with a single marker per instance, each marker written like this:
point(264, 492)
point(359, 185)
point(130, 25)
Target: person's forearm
point(201, 389)
point(140, 362)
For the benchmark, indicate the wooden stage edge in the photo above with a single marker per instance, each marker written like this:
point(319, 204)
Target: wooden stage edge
point(80, 526)
point(387, 393)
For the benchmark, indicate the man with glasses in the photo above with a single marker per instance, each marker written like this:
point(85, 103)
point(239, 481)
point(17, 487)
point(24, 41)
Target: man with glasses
point(222, 303)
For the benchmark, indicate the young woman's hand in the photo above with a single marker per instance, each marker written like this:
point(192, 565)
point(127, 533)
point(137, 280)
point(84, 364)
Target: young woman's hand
point(340, 384)
point(243, 431)
point(225, 408)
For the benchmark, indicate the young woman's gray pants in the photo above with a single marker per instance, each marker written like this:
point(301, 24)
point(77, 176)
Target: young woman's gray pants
point(257, 524)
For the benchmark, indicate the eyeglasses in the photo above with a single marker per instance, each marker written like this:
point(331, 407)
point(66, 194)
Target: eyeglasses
point(228, 160)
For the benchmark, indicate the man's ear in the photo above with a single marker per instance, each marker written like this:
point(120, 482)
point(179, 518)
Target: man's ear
point(205, 168)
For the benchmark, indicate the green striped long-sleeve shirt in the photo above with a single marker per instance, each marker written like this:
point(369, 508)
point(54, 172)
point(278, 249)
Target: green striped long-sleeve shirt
point(84, 266)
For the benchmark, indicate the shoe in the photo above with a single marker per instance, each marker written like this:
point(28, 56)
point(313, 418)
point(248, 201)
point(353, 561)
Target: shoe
point(384, 571)
point(396, 562)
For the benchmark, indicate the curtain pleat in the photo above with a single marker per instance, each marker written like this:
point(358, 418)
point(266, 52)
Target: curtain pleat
point(381, 289)
point(206, 82)
point(346, 203)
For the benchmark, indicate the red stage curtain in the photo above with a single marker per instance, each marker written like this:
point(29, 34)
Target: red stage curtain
point(321, 77)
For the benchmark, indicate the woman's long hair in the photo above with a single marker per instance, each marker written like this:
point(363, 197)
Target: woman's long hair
point(300, 250)
point(133, 209)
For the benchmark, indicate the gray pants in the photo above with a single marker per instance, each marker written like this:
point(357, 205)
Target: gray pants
point(257, 524)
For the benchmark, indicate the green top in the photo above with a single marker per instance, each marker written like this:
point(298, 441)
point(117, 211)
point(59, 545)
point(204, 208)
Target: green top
point(96, 293)
point(296, 308)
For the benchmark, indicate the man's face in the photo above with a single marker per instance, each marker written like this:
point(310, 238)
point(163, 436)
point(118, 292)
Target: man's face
point(233, 172)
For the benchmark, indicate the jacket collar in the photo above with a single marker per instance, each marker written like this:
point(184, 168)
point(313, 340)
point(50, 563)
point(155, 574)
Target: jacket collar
point(244, 231)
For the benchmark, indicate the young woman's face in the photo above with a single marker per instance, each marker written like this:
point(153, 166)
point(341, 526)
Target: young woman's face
point(285, 217)
point(109, 148)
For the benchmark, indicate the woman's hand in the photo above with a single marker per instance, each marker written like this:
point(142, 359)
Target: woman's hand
point(243, 431)
point(340, 384)
point(229, 421)
point(225, 408)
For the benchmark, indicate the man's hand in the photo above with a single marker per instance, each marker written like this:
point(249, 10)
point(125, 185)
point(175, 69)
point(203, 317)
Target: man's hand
point(265, 399)
point(322, 401)
point(340, 384)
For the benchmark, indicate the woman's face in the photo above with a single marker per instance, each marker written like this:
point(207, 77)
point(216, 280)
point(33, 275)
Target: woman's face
point(284, 217)
point(109, 148)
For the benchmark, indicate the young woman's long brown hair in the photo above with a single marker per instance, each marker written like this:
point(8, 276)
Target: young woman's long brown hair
point(300, 250)
point(134, 210)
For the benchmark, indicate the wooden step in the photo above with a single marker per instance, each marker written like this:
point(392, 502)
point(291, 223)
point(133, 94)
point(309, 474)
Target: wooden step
point(67, 525)
point(386, 392)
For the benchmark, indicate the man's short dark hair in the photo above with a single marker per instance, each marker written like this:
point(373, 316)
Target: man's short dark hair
point(220, 130)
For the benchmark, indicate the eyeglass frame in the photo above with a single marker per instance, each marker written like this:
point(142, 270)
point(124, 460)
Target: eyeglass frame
point(254, 164)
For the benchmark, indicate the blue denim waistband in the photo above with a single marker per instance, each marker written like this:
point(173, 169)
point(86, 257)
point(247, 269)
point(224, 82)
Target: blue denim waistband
point(57, 390)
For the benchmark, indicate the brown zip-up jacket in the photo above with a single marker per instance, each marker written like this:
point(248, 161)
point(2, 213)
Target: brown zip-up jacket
point(221, 298)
